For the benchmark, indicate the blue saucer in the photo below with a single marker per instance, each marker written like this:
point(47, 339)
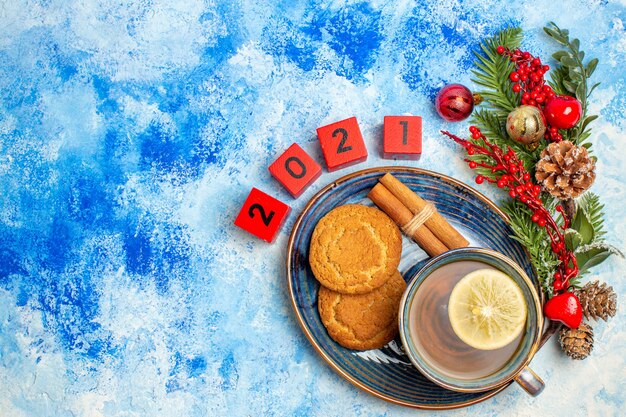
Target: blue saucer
point(388, 372)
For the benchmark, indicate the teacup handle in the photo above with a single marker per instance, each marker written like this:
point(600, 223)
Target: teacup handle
point(530, 381)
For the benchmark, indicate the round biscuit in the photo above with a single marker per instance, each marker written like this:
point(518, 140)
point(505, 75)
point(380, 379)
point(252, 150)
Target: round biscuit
point(364, 321)
point(355, 249)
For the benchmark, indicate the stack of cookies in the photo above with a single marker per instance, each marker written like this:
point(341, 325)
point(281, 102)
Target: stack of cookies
point(355, 251)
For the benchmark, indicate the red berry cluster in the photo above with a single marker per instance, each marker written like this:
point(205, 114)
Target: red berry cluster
point(528, 79)
point(510, 174)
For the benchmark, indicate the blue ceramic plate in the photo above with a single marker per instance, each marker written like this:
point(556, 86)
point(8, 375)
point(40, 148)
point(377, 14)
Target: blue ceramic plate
point(388, 372)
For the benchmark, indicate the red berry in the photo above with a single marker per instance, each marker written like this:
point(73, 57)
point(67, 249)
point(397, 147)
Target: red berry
point(512, 194)
point(500, 49)
point(514, 77)
point(535, 218)
point(526, 55)
point(473, 129)
point(501, 184)
point(526, 176)
point(470, 151)
point(473, 164)
point(517, 88)
point(541, 222)
point(480, 179)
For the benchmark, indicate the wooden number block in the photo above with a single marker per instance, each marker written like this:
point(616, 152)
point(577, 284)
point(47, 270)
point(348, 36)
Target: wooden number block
point(342, 144)
point(262, 215)
point(295, 170)
point(402, 137)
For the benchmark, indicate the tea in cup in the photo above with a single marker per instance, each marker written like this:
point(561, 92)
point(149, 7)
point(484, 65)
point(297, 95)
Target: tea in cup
point(443, 351)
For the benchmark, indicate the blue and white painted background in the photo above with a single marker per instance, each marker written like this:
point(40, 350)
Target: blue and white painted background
point(132, 131)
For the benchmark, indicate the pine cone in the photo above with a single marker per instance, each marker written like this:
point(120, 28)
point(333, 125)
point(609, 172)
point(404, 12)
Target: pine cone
point(565, 170)
point(577, 343)
point(598, 301)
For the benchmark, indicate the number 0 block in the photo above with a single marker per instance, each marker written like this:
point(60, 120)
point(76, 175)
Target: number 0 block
point(342, 144)
point(402, 137)
point(262, 215)
point(295, 170)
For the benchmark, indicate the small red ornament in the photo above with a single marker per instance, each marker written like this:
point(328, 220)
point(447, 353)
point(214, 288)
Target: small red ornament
point(566, 308)
point(455, 102)
point(563, 112)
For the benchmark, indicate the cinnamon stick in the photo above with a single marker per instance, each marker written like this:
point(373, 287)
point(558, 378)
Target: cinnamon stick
point(436, 223)
point(388, 203)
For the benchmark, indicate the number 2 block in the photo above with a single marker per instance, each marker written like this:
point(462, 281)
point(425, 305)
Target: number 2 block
point(342, 144)
point(295, 170)
point(402, 137)
point(262, 215)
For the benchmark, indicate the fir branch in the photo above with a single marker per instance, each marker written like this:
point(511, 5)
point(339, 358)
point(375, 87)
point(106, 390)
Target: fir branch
point(492, 74)
point(535, 240)
point(571, 77)
point(493, 71)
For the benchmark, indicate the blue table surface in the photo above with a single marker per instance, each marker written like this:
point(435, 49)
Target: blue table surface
point(132, 133)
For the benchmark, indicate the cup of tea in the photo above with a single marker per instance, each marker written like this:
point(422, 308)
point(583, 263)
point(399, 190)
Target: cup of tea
point(435, 348)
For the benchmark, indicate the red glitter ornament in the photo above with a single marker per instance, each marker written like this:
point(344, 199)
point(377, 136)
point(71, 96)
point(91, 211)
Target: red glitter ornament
point(455, 102)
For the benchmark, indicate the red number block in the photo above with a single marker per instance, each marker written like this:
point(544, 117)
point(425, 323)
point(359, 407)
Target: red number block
point(262, 215)
point(295, 170)
point(402, 137)
point(342, 144)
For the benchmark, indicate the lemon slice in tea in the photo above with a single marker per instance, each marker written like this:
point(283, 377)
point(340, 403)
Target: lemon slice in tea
point(487, 309)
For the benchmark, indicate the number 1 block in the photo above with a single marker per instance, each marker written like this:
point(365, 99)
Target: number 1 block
point(402, 137)
point(295, 170)
point(342, 144)
point(262, 215)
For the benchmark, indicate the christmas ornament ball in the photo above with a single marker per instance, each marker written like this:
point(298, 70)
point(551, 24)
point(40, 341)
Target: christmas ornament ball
point(526, 124)
point(563, 112)
point(454, 102)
